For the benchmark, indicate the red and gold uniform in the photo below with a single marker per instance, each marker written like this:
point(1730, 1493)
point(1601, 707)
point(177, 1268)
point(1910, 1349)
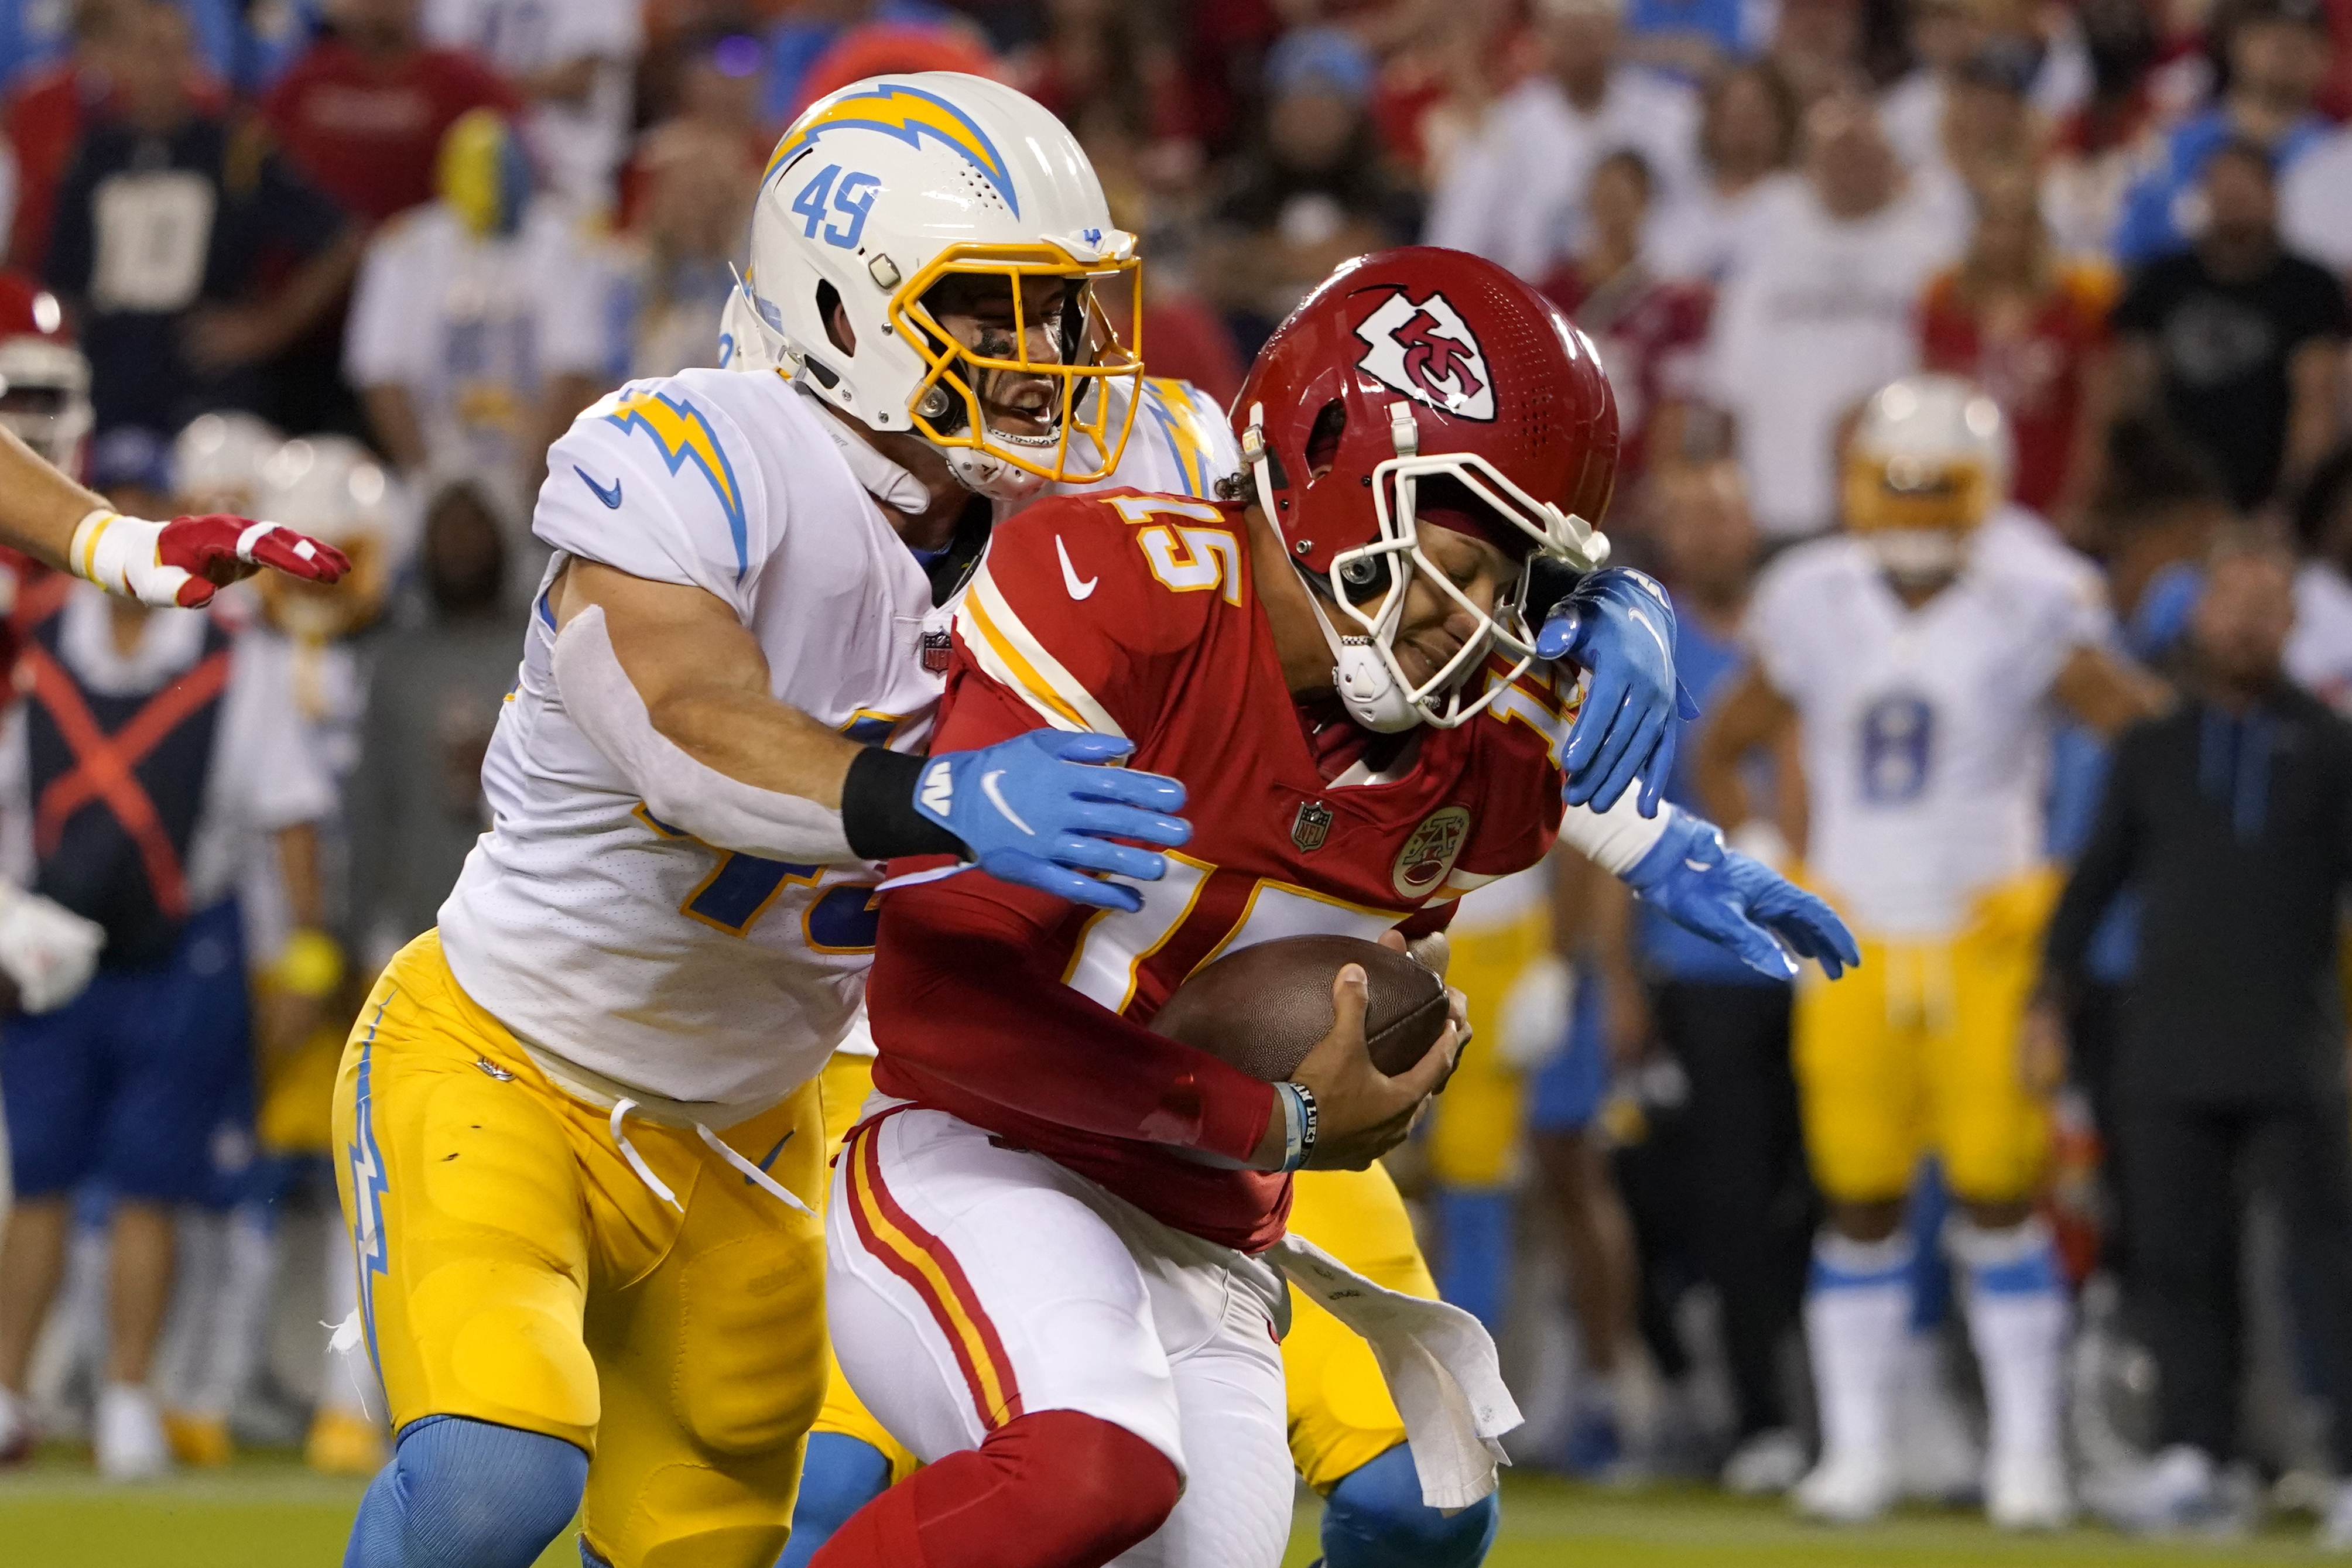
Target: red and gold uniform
point(1045, 1210)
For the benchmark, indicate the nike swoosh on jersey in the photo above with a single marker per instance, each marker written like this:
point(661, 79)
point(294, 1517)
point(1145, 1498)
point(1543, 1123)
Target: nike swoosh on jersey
point(1070, 573)
point(611, 498)
point(987, 787)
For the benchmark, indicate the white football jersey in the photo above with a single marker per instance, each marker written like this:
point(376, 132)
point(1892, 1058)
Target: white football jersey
point(632, 958)
point(1180, 444)
point(2319, 648)
point(1925, 732)
point(324, 688)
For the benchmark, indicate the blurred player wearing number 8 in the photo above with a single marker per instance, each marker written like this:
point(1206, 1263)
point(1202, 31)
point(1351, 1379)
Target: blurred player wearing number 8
point(1919, 655)
point(1054, 1239)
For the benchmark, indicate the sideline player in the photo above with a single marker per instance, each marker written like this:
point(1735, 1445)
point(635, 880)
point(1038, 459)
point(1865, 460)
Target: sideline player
point(1917, 655)
point(1041, 1279)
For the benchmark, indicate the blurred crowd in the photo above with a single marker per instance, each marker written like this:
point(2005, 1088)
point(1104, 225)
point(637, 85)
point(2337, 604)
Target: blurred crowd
point(352, 264)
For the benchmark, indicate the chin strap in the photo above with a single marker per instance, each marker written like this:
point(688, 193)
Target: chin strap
point(883, 479)
point(1366, 688)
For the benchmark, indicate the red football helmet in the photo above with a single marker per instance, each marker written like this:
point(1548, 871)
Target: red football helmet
point(44, 379)
point(1421, 383)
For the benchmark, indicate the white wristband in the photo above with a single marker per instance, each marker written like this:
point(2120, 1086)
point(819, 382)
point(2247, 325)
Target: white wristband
point(1615, 841)
point(110, 550)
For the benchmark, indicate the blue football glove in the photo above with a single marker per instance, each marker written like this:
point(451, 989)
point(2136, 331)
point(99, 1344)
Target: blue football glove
point(1737, 903)
point(1618, 623)
point(1040, 810)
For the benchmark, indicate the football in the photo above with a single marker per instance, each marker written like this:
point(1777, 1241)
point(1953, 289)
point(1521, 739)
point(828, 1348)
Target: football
point(1263, 1008)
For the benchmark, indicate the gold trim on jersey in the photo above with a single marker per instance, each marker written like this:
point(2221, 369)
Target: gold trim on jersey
point(1010, 652)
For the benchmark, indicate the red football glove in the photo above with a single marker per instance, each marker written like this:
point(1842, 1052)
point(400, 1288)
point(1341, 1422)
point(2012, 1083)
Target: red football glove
point(186, 561)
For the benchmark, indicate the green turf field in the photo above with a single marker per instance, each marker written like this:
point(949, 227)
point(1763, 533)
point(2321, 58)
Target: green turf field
point(268, 1513)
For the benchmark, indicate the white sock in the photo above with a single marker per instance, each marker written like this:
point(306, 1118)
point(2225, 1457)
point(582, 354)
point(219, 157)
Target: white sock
point(12, 1416)
point(1857, 1311)
point(240, 1310)
point(183, 1355)
point(2018, 1318)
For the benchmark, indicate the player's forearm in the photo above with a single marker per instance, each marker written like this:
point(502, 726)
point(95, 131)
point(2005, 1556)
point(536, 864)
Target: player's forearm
point(755, 739)
point(40, 507)
point(297, 869)
point(397, 429)
point(957, 992)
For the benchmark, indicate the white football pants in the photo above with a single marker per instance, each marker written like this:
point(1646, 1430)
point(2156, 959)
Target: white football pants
point(969, 1283)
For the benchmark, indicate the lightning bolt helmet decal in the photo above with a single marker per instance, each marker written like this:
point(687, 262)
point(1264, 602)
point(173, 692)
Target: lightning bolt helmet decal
point(908, 113)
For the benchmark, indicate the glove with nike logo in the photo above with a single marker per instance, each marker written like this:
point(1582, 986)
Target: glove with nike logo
point(1041, 810)
point(1619, 625)
point(1736, 901)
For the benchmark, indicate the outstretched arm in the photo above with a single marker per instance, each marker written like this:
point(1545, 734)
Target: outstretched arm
point(183, 562)
point(1679, 863)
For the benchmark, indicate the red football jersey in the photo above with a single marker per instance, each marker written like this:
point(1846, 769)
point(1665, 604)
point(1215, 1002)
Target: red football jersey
point(1135, 615)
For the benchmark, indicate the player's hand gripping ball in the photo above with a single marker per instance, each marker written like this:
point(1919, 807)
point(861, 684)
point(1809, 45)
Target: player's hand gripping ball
point(1265, 1007)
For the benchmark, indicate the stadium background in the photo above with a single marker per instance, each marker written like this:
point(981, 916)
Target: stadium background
point(553, 204)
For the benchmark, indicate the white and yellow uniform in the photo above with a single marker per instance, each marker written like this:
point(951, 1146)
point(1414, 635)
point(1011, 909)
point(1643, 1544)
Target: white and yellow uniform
point(1341, 1414)
point(1926, 745)
point(560, 1112)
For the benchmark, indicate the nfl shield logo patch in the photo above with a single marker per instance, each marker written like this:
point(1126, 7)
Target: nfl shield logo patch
point(936, 649)
point(1312, 826)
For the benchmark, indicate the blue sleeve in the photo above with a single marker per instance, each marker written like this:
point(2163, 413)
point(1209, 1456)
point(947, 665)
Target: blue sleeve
point(2145, 230)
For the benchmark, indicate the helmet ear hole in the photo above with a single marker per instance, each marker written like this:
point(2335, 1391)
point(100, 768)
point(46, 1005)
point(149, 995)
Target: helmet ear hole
point(837, 330)
point(1323, 439)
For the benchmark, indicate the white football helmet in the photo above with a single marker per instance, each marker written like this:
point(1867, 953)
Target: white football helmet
point(1928, 462)
point(44, 382)
point(743, 343)
point(884, 188)
point(216, 461)
point(331, 487)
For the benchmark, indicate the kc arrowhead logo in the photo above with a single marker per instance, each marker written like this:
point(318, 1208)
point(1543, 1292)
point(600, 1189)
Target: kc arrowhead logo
point(1424, 350)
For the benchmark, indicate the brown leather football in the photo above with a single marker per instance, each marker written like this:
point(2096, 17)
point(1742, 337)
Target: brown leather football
point(1263, 1008)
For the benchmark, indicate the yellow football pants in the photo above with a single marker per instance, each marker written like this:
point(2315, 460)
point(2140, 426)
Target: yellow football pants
point(516, 1270)
point(1477, 1128)
point(1916, 1051)
point(1341, 1414)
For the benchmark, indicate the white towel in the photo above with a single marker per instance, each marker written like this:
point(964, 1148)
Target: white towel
point(1439, 1365)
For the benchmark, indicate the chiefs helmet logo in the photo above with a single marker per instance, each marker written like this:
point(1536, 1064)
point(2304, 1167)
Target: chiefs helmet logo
point(1424, 350)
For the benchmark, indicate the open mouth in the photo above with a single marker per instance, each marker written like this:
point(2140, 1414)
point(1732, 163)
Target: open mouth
point(1026, 409)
